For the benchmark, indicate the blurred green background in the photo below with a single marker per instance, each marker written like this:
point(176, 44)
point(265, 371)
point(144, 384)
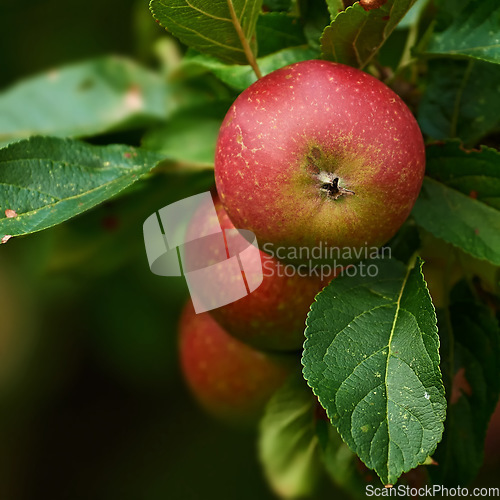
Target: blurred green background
point(92, 404)
point(91, 401)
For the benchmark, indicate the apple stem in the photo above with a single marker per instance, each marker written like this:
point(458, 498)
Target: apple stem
point(243, 39)
point(330, 185)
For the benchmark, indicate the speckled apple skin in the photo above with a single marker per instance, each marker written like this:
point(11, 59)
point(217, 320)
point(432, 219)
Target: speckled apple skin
point(319, 116)
point(230, 379)
point(273, 316)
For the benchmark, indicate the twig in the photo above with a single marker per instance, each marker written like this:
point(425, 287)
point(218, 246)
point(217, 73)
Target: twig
point(244, 42)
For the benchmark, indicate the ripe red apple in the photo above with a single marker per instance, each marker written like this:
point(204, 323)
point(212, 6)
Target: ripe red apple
point(273, 316)
point(319, 152)
point(230, 379)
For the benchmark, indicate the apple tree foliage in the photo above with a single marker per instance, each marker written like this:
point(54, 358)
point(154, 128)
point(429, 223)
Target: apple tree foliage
point(393, 380)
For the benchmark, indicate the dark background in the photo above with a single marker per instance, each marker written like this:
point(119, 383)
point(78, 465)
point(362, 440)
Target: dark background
point(92, 404)
point(91, 401)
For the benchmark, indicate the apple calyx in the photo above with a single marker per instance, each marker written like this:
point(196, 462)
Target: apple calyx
point(329, 182)
point(330, 186)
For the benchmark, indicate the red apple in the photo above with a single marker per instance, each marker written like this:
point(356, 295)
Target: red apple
point(318, 152)
point(230, 379)
point(273, 316)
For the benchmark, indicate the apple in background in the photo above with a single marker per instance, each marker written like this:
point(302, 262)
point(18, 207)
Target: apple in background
point(319, 152)
point(230, 379)
point(273, 316)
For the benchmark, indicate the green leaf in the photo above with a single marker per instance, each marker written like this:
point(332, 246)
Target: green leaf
point(49, 180)
point(459, 219)
point(445, 265)
point(279, 5)
point(473, 172)
point(82, 100)
point(404, 243)
point(190, 135)
point(108, 237)
point(210, 27)
point(340, 462)
point(412, 17)
point(475, 33)
point(447, 11)
point(288, 445)
point(241, 77)
point(277, 31)
point(315, 16)
point(391, 53)
point(372, 357)
point(461, 100)
point(334, 7)
point(476, 356)
point(355, 35)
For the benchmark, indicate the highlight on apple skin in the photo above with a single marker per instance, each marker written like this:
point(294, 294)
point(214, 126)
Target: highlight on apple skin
point(230, 379)
point(319, 152)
